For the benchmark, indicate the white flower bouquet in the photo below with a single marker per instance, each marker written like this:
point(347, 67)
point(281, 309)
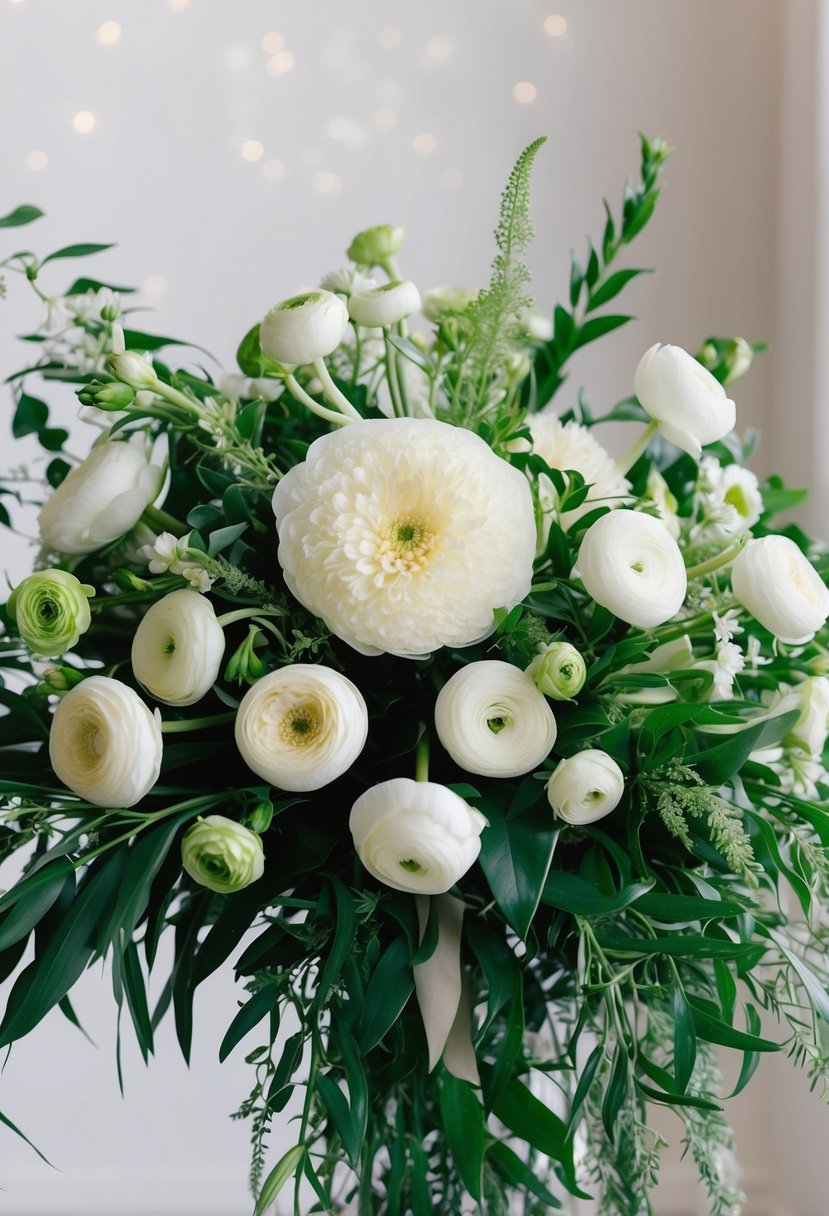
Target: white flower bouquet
point(504, 757)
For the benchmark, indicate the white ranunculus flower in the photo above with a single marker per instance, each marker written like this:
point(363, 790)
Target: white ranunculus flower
point(585, 787)
point(810, 730)
point(104, 744)
point(781, 588)
point(415, 835)
point(304, 328)
point(346, 281)
point(688, 403)
point(302, 726)
point(379, 307)
point(178, 648)
point(571, 446)
point(442, 302)
point(405, 534)
point(630, 564)
point(101, 499)
point(493, 721)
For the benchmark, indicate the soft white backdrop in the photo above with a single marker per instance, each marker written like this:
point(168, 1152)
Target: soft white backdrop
point(403, 113)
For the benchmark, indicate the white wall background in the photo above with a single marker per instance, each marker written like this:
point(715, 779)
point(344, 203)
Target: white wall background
point(214, 240)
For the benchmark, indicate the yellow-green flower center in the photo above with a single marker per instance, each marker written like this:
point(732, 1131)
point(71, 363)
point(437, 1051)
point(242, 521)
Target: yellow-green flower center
point(301, 725)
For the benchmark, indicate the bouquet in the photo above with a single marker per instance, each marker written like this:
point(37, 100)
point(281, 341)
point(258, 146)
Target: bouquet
point(504, 757)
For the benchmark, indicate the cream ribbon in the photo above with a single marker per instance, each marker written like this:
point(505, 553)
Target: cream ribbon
point(443, 992)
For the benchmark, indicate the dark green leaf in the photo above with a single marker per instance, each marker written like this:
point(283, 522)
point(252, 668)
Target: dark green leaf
point(284, 1169)
point(530, 1120)
point(464, 1127)
point(611, 287)
point(685, 1039)
point(597, 327)
point(388, 991)
point(515, 857)
point(713, 1030)
point(24, 214)
point(75, 251)
point(30, 899)
point(572, 894)
point(616, 1091)
point(252, 1012)
point(516, 1173)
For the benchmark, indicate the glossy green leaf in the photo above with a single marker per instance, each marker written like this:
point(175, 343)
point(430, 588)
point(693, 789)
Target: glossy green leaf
point(572, 894)
point(30, 899)
point(24, 214)
point(515, 857)
point(531, 1120)
point(75, 251)
point(284, 1169)
point(516, 1173)
point(251, 1014)
point(713, 1030)
point(685, 1038)
point(389, 988)
point(610, 287)
point(463, 1122)
point(615, 1091)
point(674, 945)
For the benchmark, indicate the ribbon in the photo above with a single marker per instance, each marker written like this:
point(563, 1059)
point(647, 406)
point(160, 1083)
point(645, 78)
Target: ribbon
point(443, 992)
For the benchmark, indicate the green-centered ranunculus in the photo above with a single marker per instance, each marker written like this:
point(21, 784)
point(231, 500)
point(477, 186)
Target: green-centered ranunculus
point(374, 246)
point(221, 854)
point(558, 670)
point(51, 609)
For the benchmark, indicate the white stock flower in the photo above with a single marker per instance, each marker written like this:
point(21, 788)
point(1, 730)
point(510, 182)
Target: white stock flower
point(493, 721)
point(726, 665)
point(133, 368)
point(571, 446)
point(811, 698)
point(779, 586)
point(101, 499)
point(304, 328)
point(163, 552)
point(178, 648)
point(415, 835)
point(585, 787)
point(664, 501)
point(379, 307)
point(302, 726)
point(104, 743)
point(727, 624)
point(688, 403)
point(630, 564)
point(405, 534)
point(198, 578)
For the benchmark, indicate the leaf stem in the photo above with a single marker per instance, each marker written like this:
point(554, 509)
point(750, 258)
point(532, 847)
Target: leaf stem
point(721, 559)
point(179, 725)
point(334, 395)
point(322, 411)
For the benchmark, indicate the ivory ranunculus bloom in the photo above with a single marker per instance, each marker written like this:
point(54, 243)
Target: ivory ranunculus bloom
point(105, 744)
point(379, 307)
point(688, 403)
point(558, 671)
point(221, 854)
point(304, 328)
point(405, 534)
point(101, 499)
point(178, 648)
point(585, 787)
point(302, 726)
point(51, 611)
point(415, 835)
point(630, 564)
point(781, 588)
point(493, 721)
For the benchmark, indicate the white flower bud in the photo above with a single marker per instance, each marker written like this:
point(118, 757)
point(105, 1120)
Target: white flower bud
point(493, 721)
point(104, 744)
point(100, 500)
point(630, 564)
point(585, 787)
point(304, 328)
point(222, 855)
point(415, 835)
point(781, 588)
point(558, 671)
point(688, 403)
point(302, 726)
point(377, 245)
point(133, 369)
point(178, 648)
point(379, 307)
point(442, 302)
point(810, 730)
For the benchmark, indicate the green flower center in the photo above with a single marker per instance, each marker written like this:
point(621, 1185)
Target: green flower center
point(735, 498)
point(411, 866)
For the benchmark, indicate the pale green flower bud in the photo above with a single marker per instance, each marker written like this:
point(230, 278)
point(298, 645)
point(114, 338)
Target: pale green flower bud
point(819, 665)
point(133, 369)
point(51, 610)
point(738, 359)
point(220, 854)
point(244, 665)
point(107, 396)
point(60, 679)
point(376, 245)
point(559, 671)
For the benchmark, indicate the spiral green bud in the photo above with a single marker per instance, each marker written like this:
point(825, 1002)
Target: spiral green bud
point(220, 854)
point(107, 396)
point(559, 671)
point(377, 245)
point(51, 610)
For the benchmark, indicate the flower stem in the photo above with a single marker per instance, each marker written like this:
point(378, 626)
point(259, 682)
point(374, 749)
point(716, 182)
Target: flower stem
point(156, 518)
point(629, 459)
point(422, 756)
point(393, 377)
point(184, 724)
point(333, 394)
point(240, 614)
point(298, 392)
point(721, 559)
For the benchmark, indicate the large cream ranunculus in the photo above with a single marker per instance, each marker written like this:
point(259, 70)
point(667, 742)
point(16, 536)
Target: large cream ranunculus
point(415, 835)
point(571, 446)
point(683, 398)
point(405, 534)
point(302, 726)
point(105, 744)
point(630, 564)
point(585, 787)
point(493, 721)
point(101, 499)
point(178, 648)
point(781, 588)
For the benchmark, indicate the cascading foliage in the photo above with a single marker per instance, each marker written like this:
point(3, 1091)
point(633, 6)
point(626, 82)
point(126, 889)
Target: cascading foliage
point(504, 757)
